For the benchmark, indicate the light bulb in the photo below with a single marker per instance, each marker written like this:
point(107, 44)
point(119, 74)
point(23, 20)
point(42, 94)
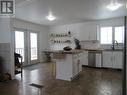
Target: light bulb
point(51, 17)
point(114, 6)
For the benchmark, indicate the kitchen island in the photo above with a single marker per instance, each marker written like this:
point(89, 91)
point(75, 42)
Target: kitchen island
point(68, 64)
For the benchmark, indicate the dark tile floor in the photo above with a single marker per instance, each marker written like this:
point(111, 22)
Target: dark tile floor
point(91, 81)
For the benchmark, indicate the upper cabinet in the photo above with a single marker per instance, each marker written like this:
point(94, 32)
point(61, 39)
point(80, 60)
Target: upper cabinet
point(88, 32)
point(82, 31)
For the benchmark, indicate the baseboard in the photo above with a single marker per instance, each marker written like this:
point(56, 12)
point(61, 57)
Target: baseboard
point(90, 66)
point(102, 68)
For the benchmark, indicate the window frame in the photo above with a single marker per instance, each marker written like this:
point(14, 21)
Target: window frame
point(113, 34)
point(100, 34)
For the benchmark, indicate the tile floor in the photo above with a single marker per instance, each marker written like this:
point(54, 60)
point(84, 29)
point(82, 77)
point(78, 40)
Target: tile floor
point(91, 81)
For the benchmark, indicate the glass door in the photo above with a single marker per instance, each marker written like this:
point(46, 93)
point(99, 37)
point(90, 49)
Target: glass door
point(33, 47)
point(26, 44)
point(19, 43)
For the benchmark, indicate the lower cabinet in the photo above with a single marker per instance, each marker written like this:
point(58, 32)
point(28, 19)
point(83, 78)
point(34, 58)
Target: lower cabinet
point(113, 59)
point(77, 65)
point(98, 60)
point(68, 66)
point(84, 58)
point(118, 60)
point(107, 59)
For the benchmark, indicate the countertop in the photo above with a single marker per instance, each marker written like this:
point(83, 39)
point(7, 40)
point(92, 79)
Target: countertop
point(113, 50)
point(62, 51)
point(99, 50)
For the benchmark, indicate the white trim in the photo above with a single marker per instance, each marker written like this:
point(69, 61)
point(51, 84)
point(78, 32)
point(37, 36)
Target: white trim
point(12, 53)
point(34, 61)
point(113, 34)
point(27, 45)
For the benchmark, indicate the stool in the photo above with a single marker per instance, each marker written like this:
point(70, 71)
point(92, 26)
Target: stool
point(39, 87)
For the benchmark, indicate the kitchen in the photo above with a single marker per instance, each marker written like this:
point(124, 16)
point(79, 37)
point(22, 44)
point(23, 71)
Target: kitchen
point(96, 51)
point(68, 50)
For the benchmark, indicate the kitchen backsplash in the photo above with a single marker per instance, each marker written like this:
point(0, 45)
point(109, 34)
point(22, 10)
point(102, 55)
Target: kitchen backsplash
point(92, 44)
point(5, 57)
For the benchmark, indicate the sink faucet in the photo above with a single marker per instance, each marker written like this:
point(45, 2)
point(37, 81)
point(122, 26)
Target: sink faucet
point(113, 44)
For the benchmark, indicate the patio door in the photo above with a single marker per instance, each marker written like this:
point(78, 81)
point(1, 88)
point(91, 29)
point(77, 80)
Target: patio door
point(33, 47)
point(26, 44)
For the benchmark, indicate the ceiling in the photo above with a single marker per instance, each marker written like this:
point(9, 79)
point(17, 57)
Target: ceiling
point(65, 11)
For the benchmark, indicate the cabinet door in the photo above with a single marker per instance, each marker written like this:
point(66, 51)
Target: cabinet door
point(93, 33)
point(75, 64)
point(84, 35)
point(118, 57)
point(98, 60)
point(74, 67)
point(83, 32)
point(92, 30)
point(107, 59)
point(84, 58)
point(79, 66)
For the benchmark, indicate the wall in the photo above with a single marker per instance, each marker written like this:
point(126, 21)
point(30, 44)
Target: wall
point(5, 57)
point(7, 40)
point(4, 30)
point(42, 30)
point(6, 53)
point(87, 30)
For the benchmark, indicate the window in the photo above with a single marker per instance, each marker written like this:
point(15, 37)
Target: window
point(110, 34)
point(33, 46)
point(119, 34)
point(19, 43)
point(106, 35)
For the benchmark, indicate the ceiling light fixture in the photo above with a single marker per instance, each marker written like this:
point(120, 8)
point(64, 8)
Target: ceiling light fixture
point(114, 6)
point(51, 17)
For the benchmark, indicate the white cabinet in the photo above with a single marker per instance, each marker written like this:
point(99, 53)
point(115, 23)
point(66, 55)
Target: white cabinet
point(112, 59)
point(98, 59)
point(68, 67)
point(84, 35)
point(107, 59)
point(77, 66)
point(87, 35)
point(84, 58)
point(93, 33)
point(88, 32)
point(80, 66)
point(118, 60)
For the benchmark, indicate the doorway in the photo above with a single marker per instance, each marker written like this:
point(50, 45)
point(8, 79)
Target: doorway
point(26, 44)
